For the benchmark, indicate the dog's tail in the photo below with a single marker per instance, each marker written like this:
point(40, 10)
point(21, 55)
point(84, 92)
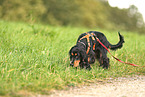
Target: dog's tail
point(119, 44)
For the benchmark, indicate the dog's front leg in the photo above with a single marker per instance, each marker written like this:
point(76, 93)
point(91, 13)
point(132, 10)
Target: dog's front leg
point(85, 65)
point(84, 61)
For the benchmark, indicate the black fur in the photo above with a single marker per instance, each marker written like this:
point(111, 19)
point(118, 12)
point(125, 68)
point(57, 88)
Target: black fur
point(99, 52)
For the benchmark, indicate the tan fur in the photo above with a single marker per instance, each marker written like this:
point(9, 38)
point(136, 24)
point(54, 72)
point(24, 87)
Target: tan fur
point(76, 63)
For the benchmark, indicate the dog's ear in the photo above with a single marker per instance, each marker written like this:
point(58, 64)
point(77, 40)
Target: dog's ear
point(83, 54)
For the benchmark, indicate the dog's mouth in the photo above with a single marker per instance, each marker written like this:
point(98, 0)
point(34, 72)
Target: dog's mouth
point(76, 63)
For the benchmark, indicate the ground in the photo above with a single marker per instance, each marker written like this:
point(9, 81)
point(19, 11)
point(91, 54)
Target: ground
point(119, 87)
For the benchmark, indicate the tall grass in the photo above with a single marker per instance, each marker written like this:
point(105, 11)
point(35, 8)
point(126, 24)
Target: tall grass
point(34, 58)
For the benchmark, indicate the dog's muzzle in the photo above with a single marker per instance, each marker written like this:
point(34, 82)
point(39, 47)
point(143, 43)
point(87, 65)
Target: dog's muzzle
point(75, 63)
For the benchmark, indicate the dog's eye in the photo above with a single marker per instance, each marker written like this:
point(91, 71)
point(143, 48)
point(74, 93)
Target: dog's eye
point(71, 53)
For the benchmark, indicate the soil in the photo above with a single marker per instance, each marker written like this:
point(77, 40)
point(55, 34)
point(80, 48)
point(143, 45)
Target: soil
point(119, 87)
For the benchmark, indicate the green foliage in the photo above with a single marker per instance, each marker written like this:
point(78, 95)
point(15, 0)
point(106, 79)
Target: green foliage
point(18, 10)
point(81, 13)
point(34, 58)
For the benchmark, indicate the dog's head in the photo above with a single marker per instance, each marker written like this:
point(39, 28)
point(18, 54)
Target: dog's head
point(77, 55)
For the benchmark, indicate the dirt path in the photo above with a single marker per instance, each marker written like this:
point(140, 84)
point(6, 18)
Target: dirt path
point(120, 87)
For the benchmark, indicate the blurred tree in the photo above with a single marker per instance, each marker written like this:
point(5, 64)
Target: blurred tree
point(60, 12)
point(91, 13)
point(19, 10)
point(87, 13)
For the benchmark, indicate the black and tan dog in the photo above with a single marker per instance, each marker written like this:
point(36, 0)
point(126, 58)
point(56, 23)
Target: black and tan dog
point(87, 49)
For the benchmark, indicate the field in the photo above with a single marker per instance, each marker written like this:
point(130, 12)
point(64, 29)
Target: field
point(34, 58)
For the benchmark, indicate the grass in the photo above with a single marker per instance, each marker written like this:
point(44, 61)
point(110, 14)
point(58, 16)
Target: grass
point(34, 58)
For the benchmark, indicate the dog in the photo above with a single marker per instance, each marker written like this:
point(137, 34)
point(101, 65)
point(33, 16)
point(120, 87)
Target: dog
point(87, 49)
